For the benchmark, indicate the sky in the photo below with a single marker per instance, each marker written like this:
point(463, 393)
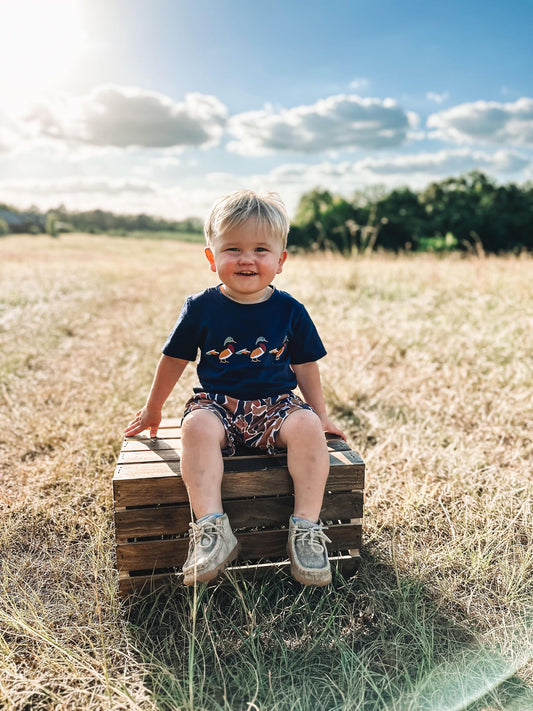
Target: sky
point(161, 106)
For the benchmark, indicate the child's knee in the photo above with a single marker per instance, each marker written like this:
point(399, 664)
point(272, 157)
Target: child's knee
point(202, 425)
point(302, 424)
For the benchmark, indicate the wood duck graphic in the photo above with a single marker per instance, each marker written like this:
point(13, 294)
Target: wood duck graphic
point(225, 354)
point(257, 352)
point(279, 351)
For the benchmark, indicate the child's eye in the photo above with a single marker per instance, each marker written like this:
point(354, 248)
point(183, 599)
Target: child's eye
point(261, 249)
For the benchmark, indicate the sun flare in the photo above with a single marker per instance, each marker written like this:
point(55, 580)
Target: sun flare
point(40, 43)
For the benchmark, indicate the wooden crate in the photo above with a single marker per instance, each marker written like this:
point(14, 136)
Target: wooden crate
point(152, 511)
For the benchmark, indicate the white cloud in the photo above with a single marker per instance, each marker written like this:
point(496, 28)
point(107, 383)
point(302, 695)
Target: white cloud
point(440, 163)
point(76, 193)
point(445, 162)
point(436, 97)
point(342, 121)
point(10, 135)
point(486, 122)
point(128, 116)
point(5, 141)
point(359, 84)
point(122, 196)
point(291, 180)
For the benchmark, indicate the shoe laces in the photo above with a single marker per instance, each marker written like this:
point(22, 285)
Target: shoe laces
point(198, 531)
point(314, 536)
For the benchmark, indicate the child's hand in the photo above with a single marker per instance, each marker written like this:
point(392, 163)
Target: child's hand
point(332, 428)
point(143, 420)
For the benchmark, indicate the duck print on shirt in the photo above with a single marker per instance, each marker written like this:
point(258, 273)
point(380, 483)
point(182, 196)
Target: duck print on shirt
point(258, 352)
point(225, 354)
point(279, 351)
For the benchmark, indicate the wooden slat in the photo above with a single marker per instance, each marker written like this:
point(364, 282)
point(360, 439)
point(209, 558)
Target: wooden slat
point(144, 584)
point(168, 422)
point(159, 467)
point(175, 422)
point(137, 489)
point(135, 444)
point(243, 513)
point(149, 456)
point(255, 545)
point(136, 450)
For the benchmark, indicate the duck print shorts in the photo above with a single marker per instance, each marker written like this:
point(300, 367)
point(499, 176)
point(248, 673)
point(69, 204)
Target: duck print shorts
point(253, 423)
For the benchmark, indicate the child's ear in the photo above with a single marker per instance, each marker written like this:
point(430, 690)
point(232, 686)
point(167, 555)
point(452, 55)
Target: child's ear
point(210, 259)
point(282, 258)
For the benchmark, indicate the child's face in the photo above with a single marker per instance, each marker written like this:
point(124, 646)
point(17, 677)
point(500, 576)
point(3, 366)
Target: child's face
point(246, 258)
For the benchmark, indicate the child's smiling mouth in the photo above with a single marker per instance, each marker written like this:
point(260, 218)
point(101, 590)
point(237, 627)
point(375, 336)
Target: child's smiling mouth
point(247, 273)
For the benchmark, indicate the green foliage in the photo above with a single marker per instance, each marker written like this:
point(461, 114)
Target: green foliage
point(469, 212)
point(51, 224)
point(323, 221)
point(4, 227)
point(95, 222)
point(448, 243)
point(101, 221)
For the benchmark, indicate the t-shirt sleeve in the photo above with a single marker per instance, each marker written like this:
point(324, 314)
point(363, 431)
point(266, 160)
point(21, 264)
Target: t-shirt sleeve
point(183, 340)
point(305, 345)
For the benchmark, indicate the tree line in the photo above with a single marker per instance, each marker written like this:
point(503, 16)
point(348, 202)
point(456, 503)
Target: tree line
point(470, 212)
point(60, 220)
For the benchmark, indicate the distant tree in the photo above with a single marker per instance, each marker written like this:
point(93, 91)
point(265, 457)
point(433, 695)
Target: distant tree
point(508, 223)
point(402, 219)
point(4, 227)
point(309, 218)
point(51, 224)
point(458, 205)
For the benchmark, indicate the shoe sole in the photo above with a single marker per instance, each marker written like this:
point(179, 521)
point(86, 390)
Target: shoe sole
point(215, 572)
point(306, 578)
point(309, 581)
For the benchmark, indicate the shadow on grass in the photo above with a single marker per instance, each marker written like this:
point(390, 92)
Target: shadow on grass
point(373, 642)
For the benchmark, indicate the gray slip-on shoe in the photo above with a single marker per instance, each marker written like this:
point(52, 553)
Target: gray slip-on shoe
point(308, 554)
point(212, 547)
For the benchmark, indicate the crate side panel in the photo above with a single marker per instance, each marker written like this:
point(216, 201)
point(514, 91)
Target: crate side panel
point(243, 513)
point(145, 583)
point(254, 545)
point(149, 491)
point(139, 485)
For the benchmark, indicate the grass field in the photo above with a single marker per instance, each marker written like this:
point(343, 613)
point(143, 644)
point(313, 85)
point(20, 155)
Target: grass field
point(429, 371)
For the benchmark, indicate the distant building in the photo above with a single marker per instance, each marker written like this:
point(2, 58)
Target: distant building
point(23, 221)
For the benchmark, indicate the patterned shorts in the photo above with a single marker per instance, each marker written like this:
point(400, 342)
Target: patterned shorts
point(254, 423)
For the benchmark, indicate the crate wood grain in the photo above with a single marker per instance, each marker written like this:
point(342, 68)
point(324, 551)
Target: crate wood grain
point(152, 512)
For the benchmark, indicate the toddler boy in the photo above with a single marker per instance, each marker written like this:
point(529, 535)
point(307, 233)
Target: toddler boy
point(256, 344)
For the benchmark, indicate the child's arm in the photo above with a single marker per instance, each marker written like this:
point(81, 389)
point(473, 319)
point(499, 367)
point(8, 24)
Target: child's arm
point(308, 378)
point(167, 374)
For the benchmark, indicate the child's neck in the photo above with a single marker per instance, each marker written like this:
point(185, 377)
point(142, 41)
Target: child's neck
point(254, 300)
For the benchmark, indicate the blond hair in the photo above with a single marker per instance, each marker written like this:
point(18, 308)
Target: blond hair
point(238, 207)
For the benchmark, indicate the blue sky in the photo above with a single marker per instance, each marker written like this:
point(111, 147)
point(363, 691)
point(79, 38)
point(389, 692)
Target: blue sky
point(162, 105)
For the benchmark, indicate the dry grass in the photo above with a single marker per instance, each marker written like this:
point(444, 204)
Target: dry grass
point(429, 370)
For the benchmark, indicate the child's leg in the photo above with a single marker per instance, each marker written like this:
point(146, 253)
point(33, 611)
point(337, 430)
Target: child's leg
point(203, 437)
point(308, 461)
point(212, 545)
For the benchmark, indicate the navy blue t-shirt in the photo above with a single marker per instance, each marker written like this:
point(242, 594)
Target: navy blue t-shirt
point(246, 350)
